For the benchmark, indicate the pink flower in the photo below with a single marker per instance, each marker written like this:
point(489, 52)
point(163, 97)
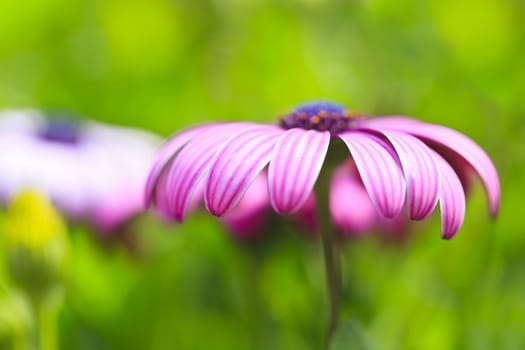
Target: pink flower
point(394, 163)
point(91, 171)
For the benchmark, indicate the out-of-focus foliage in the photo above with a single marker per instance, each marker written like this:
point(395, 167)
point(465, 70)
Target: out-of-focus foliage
point(165, 64)
point(16, 320)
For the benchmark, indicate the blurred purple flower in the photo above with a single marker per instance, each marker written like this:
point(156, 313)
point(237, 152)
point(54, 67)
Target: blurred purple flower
point(91, 171)
point(393, 161)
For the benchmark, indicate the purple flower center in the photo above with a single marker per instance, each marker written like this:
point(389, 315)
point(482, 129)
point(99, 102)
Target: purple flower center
point(323, 116)
point(61, 130)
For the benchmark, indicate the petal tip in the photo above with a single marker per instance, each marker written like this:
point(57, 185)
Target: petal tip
point(289, 210)
point(420, 216)
point(390, 214)
point(447, 235)
point(494, 211)
point(215, 211)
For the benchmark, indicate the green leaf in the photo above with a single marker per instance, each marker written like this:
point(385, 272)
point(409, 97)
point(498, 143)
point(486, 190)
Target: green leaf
point(350, 336)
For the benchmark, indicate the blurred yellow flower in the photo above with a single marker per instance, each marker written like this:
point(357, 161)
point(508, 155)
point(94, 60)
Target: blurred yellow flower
point(32, 222)
point(35, 240)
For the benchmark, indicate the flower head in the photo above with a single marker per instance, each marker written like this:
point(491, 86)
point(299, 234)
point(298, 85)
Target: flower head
point(90, 171)
point(35, 241)
point(393, 163)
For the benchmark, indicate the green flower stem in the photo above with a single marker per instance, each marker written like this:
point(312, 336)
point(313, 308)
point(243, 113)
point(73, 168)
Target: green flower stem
point(22, 342)
point(47, 325)
point(330, 250)
point(333, 281)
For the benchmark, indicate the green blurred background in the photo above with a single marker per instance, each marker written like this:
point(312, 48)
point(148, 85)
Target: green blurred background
point(163, 65)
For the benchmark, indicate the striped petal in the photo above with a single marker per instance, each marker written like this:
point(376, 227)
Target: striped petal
point(350, 206)
point(380, 172)
point(236, 165)
point(391, 122)
point(167, 152)
point(159, 197)
point(306, 216)
point(192, 162)
point(451, 199)
point(421, 173)
point(247, 219)
point(294, 167)
point(450, 142)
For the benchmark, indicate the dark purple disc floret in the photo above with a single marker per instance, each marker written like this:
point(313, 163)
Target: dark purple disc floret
point(321, 116)
point(61, 130)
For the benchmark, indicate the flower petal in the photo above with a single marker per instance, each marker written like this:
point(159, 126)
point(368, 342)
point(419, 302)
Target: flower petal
point(350, 206)
point(379, 170)
point(247, 218)
point(237, 164)
point(166, 153)
point(306, 216)
point(453, 142)
point(192, 162)
point(294, 167)
point(421, 173)
point(391, 122)
point(451, 199)
point(159, 196)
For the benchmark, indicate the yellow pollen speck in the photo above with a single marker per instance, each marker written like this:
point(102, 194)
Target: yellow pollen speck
point(333, 115)
point(350, 114)
point(323, 114)
point(302, 116)
point(315, 120)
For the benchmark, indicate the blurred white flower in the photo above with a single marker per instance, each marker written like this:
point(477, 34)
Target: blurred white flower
point(91, 171)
